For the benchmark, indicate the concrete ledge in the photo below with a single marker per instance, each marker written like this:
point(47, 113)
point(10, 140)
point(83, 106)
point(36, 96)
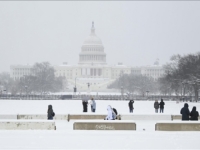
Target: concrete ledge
point(86, 116)
point(178, 126)
point(178, 117)
point(42, 116)
point(146, 117)
point(27, 125)
point(8, 116)
point(32, 116)
point(104, 125)
point(61, 117)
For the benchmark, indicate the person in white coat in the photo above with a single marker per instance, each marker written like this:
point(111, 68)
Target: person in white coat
point(93, 105)
point(110, 114)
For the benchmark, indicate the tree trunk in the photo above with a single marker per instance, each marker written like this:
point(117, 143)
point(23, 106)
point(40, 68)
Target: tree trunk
point(196, 92)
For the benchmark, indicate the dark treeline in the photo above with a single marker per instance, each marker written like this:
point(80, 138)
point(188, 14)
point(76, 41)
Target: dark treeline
point(181, 78)
point(182, 75)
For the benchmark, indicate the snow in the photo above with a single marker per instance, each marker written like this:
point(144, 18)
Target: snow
point(25, 120)
point(193, 122)
point(106, 121)
point(145, 136)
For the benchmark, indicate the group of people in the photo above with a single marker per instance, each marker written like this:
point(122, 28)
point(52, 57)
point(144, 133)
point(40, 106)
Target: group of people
point(187, 115)
point(158, 105)
point(112, 112)
point(85, 105)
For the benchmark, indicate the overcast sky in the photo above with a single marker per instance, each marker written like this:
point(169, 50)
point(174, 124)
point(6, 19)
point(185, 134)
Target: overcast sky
point(135, 33)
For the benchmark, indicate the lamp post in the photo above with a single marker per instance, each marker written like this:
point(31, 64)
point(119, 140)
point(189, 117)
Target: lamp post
point(5, 92)
point(75, 89)
point(20, 93)
point(26, 90)
point(1, 90)
point(88, 87)
point(122, 92)
point(147, 94)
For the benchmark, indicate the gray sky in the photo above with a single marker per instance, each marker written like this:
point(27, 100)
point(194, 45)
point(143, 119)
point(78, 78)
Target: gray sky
point(135, 33)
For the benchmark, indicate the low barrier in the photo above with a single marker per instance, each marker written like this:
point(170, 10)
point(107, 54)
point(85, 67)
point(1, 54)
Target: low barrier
point(27, 125)
point(93, 116)
point(86, 116)
point(178, 126)
point(178, 117)
point(42, 116)
point(8, 117)
point(104, 125)
point(146, 117)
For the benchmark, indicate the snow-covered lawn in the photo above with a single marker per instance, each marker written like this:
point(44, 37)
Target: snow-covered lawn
point(145, 137)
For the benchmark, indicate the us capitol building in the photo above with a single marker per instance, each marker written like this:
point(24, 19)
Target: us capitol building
point(92, 68)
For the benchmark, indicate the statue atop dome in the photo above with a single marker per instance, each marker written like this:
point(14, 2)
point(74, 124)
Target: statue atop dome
point(92, 29)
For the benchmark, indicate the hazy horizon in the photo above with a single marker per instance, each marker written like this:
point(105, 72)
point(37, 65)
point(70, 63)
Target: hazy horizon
point(132, 32)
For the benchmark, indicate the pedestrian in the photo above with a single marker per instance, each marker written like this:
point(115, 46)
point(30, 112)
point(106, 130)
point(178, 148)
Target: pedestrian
point(114, 113)
point(50, 113)
point(156, 106)
point(90, 103)
point(130, 105)
point(185, 112)
point(194, 114)
point(85, 105)
point(93, 104)
point(111, 114)
point(162, 106)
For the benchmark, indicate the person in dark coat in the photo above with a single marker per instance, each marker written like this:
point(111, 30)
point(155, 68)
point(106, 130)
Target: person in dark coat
point(185, 112)
point(162, 106)
point(85, 105)
point(130, 104)
point(156, 106)
point(50, 113)
point(194, 114)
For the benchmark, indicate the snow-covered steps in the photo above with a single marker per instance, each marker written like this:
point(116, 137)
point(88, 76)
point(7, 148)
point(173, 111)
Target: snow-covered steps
point(104, 125)
point(27, 125)
point(178, 126)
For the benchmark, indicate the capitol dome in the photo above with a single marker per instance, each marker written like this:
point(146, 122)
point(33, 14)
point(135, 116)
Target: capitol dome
point(92, 39)
point(92, 50)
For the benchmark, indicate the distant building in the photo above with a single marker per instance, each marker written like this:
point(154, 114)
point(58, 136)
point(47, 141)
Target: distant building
point(19, 71)
point(154, 71)
point(92, 68)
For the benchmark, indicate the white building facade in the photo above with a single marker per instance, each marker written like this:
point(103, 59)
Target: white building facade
point(92, 68)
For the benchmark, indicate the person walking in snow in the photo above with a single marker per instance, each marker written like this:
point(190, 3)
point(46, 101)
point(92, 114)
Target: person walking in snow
point(93, 105)
point(156, 106)
point(85, 105)
point(162, 106)
point(194, 114)
point(185, 112)
point(130, 105)
point(50, 113)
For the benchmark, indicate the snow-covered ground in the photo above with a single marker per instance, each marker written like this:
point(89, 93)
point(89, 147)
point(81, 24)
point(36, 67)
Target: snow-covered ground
point(145, 137)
